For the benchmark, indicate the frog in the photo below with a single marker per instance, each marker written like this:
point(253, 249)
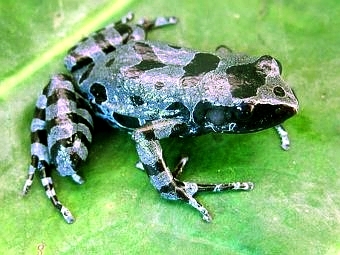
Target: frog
point(153, 90)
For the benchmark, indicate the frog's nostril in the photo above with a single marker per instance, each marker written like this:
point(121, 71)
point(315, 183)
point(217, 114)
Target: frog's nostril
point(279, 91)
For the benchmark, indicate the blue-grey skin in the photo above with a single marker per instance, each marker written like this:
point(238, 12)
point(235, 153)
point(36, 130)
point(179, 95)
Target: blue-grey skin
point(154, 90)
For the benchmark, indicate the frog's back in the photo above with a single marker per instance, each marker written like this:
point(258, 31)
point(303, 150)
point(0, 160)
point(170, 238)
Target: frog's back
point(148, 80)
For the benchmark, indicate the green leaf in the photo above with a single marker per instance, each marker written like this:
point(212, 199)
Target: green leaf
point(295, 206)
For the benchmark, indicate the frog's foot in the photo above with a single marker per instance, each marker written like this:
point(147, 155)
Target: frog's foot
point(148, 24)
point(212, 187)
point(46, 180)
point(185, 191)
point(177, 190)
point(170, 187)
point(157, 22)
point(29, 180)
point(77, 178)
point(283, 134)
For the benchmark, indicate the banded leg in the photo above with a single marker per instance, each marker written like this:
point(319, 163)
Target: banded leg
point(93, 48)
point(60, 132)
point(39, 152)
point(150, 154)
point(40, 160)
point(44, 172)
point(47, 182)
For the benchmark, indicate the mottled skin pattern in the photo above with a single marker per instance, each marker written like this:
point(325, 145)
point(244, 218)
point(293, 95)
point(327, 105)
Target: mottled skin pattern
point(154, 90)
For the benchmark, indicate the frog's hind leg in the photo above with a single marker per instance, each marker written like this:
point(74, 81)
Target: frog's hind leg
point(40, 158)
point(95, 47)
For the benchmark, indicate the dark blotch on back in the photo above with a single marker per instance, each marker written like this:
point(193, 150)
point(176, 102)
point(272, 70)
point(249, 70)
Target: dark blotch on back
point(99, 92)
point(149, 60)
point(145, 51)
point(245, 80)
point(148, 65)
point(202, 63)
point(195, 70)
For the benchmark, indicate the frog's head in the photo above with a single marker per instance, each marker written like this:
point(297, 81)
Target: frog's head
point(258, 99)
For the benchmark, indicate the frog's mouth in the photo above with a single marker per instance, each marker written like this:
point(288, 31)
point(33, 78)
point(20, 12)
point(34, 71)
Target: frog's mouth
point(242, 118)
point(262, 117)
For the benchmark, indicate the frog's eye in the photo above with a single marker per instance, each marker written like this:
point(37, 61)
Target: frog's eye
point(243, 112)
point(279, 64)
point(216, 116)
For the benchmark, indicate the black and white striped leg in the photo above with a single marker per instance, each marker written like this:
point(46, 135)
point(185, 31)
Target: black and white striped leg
point(81, 57)
point(61, 130)
point(29, 180)
point(47, 182)
point(40, 163)
point(39, 151)
point(44, 172)
point(166, 183)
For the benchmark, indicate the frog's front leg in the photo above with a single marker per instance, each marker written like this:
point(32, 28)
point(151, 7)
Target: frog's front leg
point(283, 134)
point(150, 154)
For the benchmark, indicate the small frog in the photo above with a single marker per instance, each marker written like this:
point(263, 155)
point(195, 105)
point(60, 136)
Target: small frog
point(153, 90)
